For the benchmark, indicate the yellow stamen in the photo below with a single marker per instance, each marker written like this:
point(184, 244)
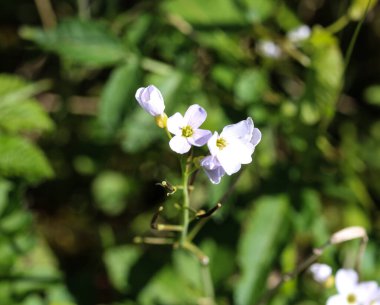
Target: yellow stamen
point(221, 143)
point(351, 298)
point(187, 131)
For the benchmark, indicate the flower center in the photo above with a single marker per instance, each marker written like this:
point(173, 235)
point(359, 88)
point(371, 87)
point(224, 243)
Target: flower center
point(351, 298)
point(187, 131)
point(221, 143)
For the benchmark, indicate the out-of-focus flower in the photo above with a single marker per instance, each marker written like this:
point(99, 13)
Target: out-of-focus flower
point(269, 49)
point(186, 131)
point(320, 272)
point(351, 292)
point(299, 34)
point(229, 150)
point(150, 98)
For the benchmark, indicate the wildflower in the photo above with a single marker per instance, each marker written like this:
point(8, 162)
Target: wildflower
point(350, 291)
point(320, 272)
point(299, 34)
point(229, 150)
point(269, 49)
point(151, 100)
point(186, 131)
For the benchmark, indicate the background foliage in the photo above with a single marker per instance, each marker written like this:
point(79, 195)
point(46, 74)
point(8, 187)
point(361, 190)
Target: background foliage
point(79, 160)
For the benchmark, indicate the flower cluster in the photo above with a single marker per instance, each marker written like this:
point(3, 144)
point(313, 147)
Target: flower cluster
point(350, 290)
point(230, 149)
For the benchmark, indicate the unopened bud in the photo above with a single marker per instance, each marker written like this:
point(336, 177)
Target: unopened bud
point(348, 234)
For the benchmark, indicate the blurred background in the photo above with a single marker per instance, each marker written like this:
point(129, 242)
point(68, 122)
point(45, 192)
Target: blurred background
point(79, 160)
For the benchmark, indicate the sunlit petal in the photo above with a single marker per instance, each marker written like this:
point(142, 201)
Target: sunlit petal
point(179, 144)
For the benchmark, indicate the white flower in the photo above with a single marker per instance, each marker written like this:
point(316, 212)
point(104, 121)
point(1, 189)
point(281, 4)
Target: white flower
point(186, 131)
point(320, 272)
point(299, 34)
point(269, 49)
point(151, 100)
point(350, 291)
point(229, 150)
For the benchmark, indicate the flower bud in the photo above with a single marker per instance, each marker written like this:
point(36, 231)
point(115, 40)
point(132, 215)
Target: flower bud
point(150, 98)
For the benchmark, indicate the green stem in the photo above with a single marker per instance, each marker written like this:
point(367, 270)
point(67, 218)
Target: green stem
point(338, 25)
point(185, 206)
point(207, 283)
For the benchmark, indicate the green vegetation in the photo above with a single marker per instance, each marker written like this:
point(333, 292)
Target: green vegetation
point(80, 161)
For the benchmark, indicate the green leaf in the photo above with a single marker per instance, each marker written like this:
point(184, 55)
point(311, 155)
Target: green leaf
point(117, 98)
point(258, 10)
point(251, 85)
point(358, 8)
point(266, 224)
point(87, 43)
point(20, 158)
point(372, 95)
point(168, 288)
point(110, 191)
point(15, 89)
point(322, 88)
point(26, 116)
point(119, 261)
point(210, 12)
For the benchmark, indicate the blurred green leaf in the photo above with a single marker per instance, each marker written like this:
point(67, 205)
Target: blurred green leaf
point(20, 158)
point(168, 288)
point(322, 89)
point(5, 188)
point(83, 42)
point(118, 96)
point(119, 261)
point(266, 224)
point(110, 190)
point(372, 95)
point(225, 45)
point(251, 85)
point(27, 116)
point(139, 131)
point(211, 12)
point(358, 8)
point(258, 10)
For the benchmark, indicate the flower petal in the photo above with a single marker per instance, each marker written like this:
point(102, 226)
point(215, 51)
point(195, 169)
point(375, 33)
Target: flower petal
point(366, 292)
point(200, 137)
point(175, 124)
point(195, 116)
point(212, 169)
point(256, 137)
point(210, 162)
point(337, 299)
point(346, 280)
point(211, 143)
point(228, 161)
point(179, 144)
point(242, 130)
point(150, 98)
point(320, 272)
point(240, 150)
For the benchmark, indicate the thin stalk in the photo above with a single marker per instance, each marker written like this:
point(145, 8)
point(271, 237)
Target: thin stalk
point(46, 12)
point(208, 287)
point(185, 206)
point(338, 25)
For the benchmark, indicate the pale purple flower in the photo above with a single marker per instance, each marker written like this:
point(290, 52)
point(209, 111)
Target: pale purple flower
point(229, 150)
point(320, 272)
point(186, 131)
point(300, 33)
point(269, 49)
point(151, 100)
point(350, 291)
